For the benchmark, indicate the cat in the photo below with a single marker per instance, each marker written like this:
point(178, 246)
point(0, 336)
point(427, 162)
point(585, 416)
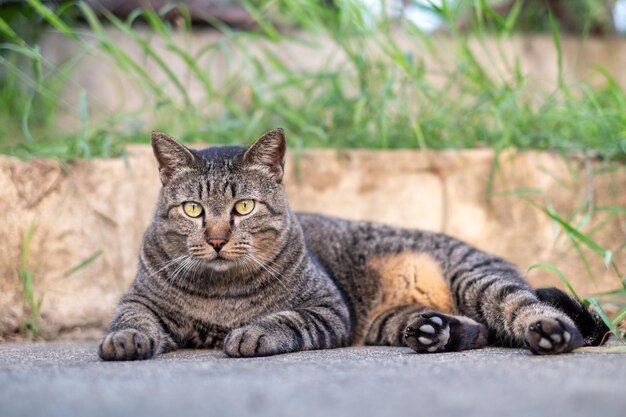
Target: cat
point(226, 264)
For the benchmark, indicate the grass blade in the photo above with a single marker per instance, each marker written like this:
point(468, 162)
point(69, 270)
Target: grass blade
point(558, 273)
point(120, 57)
point(6, 30)
point(26, 276)
point(557, 44)
point(621, 316)
point(53, 19)
point(148, 50)
point(605, 318)
point(82, 264)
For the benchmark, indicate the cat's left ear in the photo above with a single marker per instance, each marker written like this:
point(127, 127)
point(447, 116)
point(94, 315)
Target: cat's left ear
point(268, 153)
point(173, 157)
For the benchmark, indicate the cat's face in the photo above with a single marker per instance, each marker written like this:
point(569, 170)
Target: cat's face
point(223, 208)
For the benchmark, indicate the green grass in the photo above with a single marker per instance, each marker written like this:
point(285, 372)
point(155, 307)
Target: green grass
point(381, 96)
point(578, 229)
point(31, 303)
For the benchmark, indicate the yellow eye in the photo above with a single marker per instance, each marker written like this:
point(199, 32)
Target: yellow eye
point(192, 209)
point(244, 207)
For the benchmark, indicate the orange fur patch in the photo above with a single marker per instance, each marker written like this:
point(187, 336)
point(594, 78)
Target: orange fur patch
point(411, 277)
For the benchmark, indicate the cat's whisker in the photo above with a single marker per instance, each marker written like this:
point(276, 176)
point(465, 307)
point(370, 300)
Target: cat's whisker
point(272, 272)
point(168, 263)
point(190, 264)
point(181, 267)
point(182, 272)
point(268, 263)
point(252, 271)
point(185, 272)
point(191, 271)
point(171, 277)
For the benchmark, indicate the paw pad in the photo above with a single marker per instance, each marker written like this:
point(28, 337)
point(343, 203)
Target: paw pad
point(427, 334)
point(550, 336)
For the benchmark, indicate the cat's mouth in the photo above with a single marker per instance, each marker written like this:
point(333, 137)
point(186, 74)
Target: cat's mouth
point(221, 262)
point(224, 260)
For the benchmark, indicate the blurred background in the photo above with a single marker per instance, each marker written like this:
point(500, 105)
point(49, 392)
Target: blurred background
point(508, 117)
point(81, 79)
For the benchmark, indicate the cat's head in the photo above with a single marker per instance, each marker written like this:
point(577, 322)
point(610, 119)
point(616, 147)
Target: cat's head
point(222, 208)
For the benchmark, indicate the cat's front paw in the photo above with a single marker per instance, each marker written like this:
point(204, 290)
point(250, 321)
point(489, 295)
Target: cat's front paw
point(551, 336)
point(126, 345)
point(256, 340)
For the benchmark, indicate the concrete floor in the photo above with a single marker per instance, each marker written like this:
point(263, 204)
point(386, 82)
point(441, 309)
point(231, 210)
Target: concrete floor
point(67, 379)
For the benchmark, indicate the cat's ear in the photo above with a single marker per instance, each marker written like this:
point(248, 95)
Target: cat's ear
point(171, 156)
point(268, 153)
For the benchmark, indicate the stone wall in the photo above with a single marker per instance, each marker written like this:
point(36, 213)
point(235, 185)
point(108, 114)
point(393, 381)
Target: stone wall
point(103, 206)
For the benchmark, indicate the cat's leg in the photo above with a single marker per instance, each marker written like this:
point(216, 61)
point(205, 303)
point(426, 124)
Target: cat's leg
point(319, 319)
point(425, 330)
point(135, 333)
point(321, 326)
point(491, 291)
point(590, 324)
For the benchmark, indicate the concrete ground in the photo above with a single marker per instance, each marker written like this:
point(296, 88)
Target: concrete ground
point(67, 379)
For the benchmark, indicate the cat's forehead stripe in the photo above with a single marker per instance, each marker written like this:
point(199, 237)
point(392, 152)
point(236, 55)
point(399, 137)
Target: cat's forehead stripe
point(210, 187)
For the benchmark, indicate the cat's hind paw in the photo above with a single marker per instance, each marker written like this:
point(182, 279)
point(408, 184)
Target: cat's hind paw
point(433, 332)
point(126, 345)
point(551, 336)
point(428, 333)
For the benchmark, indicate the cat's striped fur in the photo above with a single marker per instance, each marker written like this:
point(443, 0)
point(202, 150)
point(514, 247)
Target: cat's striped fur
point(282, 282)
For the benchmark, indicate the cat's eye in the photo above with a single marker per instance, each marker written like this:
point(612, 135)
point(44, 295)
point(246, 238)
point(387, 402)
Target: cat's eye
point(192, 209)
point(243, 207)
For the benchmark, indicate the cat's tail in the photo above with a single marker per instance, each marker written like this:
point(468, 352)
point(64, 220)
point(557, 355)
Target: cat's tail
point(592, 327)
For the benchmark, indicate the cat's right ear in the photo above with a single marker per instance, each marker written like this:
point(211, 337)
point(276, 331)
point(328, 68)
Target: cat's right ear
point(171, 155)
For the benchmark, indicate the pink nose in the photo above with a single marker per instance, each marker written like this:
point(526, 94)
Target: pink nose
point(217, 243)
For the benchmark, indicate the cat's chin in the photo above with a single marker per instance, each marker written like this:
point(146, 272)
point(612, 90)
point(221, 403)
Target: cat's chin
point(220, 265)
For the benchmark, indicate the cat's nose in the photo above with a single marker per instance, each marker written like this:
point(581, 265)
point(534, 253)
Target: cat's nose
point(217, 243)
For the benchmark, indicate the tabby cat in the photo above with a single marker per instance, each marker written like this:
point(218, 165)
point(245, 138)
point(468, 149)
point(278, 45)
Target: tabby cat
point(226, 264)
